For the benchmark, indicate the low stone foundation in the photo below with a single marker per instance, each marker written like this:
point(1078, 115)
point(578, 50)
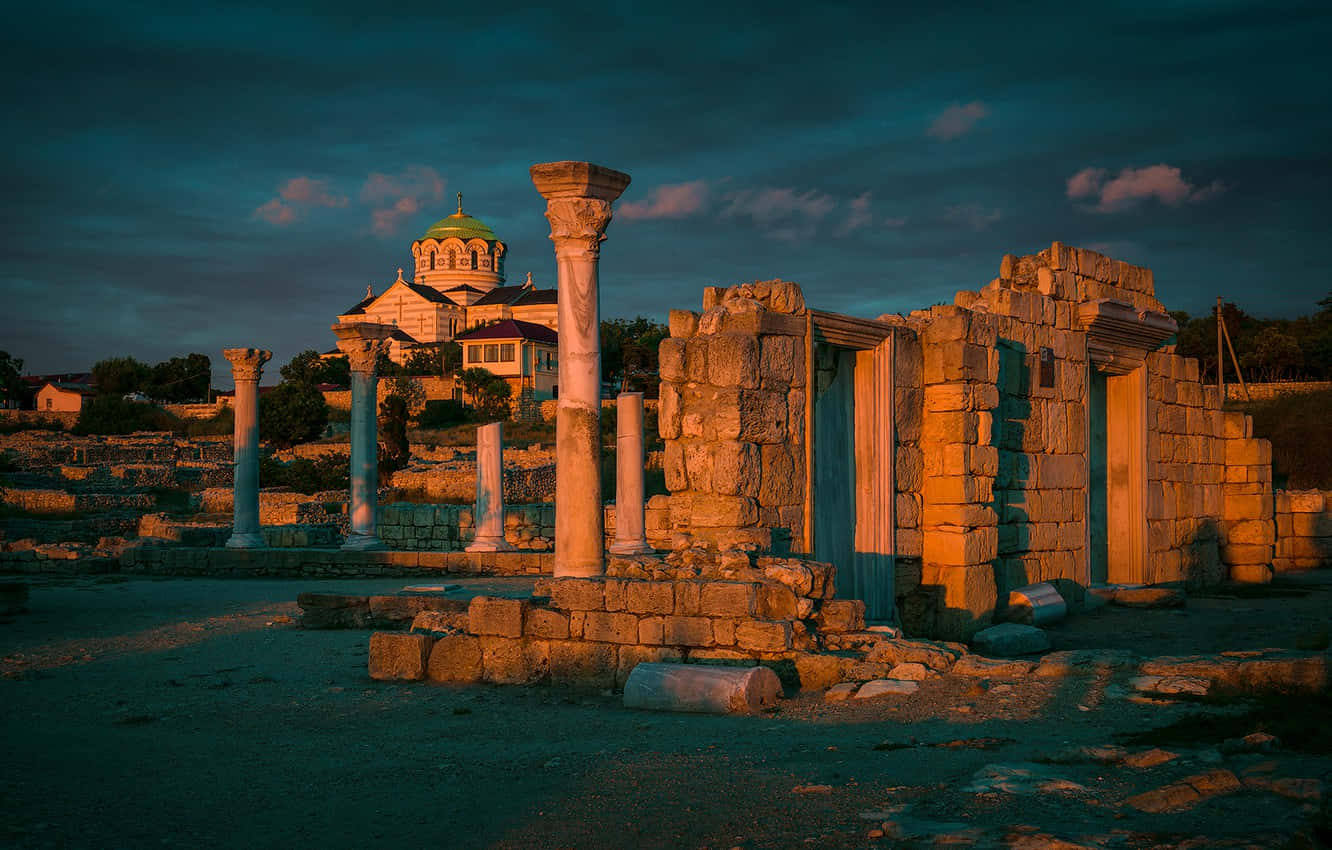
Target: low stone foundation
point(1303, 530)
point(295, 563)
point(690, 606)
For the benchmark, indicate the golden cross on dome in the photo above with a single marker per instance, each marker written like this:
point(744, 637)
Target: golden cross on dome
point(460, 203)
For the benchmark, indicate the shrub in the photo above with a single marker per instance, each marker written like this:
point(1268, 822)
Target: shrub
point(327, 472)
point(291, 414)
point(394, 450)
point(110, 414)
point(442, 413)
point(1297, 426)
point(220, 423)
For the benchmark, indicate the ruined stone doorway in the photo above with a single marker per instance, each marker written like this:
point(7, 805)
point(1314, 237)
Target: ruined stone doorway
point(1117, 477)
point(851, 516)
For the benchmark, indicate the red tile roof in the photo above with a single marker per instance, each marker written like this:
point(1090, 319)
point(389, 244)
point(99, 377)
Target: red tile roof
point(513, 329)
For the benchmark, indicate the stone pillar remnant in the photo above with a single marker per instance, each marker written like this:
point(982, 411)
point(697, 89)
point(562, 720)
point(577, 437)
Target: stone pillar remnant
point(363, 342)
point(630, 536)
point(578, 205)
point(247, 365)
point(489, 511)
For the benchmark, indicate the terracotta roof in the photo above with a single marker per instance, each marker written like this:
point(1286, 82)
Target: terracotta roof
point(81, 389)
point(513, 329)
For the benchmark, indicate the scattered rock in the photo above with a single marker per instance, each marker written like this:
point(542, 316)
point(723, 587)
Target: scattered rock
point(1009, 639)
point(1149, 758)
point(1256, 742)
point(933, 654)
point(1020, 778)
point(812, 789)
point(1148, 597)
point(837, 693)
point(910, 671)
point(880, 687)
point(1187, 793)
point(995, 668)
point(1171, 685)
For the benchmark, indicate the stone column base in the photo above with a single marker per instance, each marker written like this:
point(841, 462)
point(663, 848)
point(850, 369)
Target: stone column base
point(490, 544)
point(247, 540)
point(362, 543)
point(630, 547)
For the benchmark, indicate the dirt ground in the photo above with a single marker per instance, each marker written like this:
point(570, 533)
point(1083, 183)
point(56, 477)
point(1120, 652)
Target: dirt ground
point(193, 712)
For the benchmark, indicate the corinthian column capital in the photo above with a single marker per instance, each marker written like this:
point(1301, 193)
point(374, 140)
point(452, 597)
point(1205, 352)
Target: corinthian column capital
point(578, 225)
point(247, 364)
point(362, 342)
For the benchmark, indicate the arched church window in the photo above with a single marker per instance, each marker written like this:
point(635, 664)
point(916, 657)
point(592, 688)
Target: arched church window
point(475, 262)
point(453, 259)
point(432, 259)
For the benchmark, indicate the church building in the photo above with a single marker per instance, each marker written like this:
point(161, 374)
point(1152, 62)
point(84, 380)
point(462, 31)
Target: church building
point(458, 285)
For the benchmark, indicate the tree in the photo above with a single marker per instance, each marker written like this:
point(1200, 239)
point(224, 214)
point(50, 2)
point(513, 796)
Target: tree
point(11, 384)
point(120, 375)
point(335, 371)
point(114, 414)
point(394, 449)
point(407, 389)
point(303, 368)
point(488, 392)
point(629, 351)
point(292, 413)
point(1274, 355)
point(181, 379)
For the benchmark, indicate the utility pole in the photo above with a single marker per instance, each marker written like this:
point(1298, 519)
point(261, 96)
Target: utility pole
point(1220, 364)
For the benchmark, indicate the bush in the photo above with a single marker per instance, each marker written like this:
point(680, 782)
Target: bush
point(394, 449)
point(327, 472)
point(13, 426)
point(488, 392)
point(442, 413)
point(220, 423)
point(110, 414)
point(291, 414)
point(1297, 426)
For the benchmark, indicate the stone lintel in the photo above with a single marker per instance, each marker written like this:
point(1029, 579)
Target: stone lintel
point(572, 179)
point(1119, 335)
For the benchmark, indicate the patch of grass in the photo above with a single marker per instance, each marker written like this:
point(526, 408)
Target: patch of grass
point(13, 426)
point(1297, 426)
point(1299, 720)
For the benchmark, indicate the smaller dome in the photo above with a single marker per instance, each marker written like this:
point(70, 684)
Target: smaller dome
point(462, 226)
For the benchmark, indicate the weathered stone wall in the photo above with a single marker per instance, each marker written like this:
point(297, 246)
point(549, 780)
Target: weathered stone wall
point(1187, 463)
point(59, 501)
point(1303, 530)
point(1276, 389)
point(296, 562)
point(1248, 527)
point(732, 413)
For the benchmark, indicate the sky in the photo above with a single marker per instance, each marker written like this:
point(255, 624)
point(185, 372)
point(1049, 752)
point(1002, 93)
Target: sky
point(192, 177)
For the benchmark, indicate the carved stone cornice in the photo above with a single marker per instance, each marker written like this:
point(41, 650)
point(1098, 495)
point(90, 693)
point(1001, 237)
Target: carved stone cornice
point(247, 364)
point(578, 225)
point(1119, 336)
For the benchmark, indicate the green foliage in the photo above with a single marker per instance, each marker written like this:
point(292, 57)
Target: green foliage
point(180, 379)
point(112, 414)
point(292, 413)
point(1268, 350)
point(11, 387)
point(309, 368)
point(1297, 425)
point(441, 359)
point(13, 426)
point(442, 413)
point(329, 471)
point(386, 368)
point(394, 449)
point(221, 423)
point(408, 389)
point(489, 393)
point(629, 352)
point(120, 375)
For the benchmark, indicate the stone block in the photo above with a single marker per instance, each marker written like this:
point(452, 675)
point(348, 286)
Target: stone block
point(955, 546)
point(840, 615)
point(781, 360)
point(669, 411)
point(735, 469)
point(545, 624)
point(688, 598)
point(513, 661)
point(1259, 531)
point(683, 323)
point(969, 597)
point(763, 635)
point(778, 482)
point(710, 511)
point(700, 688)
point(578, 594)
point(817, 671)
point(1251, 573)
point(493, 615)
point(696, 359)
point(723, 631)
point(398, 656)
point(728, 599)
point(610, 627)
point(886, 687)
point(649, 597)
point(761, 418)
point(957, 489)
point(733, 360)
point(958, 426)
point(440, 622)
point(671, 359)
point(1306, 501)
point(687, 631)
point(651, 630)
point(1246, 553)
point(455, 658)
point(1009, 639)
point(777, 602)
point(582, 664)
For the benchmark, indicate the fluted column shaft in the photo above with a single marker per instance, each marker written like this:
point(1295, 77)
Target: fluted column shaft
point(363, 342)
point(489, 510)
point(247, 366)
point(630, 533)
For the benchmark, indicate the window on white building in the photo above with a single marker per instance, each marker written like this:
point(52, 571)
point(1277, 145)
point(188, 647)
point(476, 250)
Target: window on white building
point(506, 352)
point(492, 353)
point(473, 354)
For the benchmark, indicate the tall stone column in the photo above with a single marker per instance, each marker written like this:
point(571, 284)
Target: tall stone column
point(363, 342)
point(247, 365)
point(630, 534)
point(489, 510)
point(578, 205)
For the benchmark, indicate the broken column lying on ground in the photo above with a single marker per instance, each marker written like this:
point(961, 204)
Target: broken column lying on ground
point(247, 365)
point(578, 205)
point(630, 533)
point(489, 511)
point(363, 342)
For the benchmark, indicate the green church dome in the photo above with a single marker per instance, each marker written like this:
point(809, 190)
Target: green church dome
point(462, 226)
